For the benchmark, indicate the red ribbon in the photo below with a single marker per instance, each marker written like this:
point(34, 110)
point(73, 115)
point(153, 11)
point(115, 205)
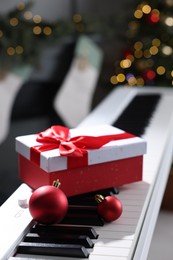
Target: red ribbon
point(58, 137)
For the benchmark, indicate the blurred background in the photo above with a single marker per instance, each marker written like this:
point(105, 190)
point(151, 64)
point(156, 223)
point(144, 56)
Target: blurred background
point(38, 46)
point(38, 42)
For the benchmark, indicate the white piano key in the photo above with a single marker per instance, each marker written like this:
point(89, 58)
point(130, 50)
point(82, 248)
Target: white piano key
point(91, 257)
point(130, 214)
point(110, 234)
point(114, 227)
point(15, 221)
point(128, 221)
point(114, 243)
point(134, 208)
point(132, 203)
point(110, 251)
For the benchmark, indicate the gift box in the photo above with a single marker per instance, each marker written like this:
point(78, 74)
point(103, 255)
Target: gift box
point(82, 159)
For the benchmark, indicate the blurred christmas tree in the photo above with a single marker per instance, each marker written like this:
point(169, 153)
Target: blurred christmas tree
point(18, 37)
point(148, 58)
point(22, 36)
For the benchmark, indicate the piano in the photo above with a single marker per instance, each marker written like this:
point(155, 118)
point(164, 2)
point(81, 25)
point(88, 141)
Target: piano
point(130, 236)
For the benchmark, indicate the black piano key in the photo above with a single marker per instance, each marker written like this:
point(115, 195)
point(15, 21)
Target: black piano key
point(60, 239)
point(65, 230)
point(77, 200)
point(112, 191)
point(89, 220)
point(83, 215)
point(137, 114)
point(82, 210)
point(51, 249)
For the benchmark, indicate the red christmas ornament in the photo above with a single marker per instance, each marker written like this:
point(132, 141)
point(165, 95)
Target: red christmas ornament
point(48, 204)
point(109, 207)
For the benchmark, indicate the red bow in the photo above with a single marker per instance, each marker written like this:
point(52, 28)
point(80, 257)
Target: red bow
point(58, 137)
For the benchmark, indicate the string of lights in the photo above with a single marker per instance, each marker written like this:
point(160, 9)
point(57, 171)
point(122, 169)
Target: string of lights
point(148, 59)
point(22, 34)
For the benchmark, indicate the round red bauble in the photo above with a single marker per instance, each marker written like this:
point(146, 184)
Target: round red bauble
point(48, 204)
point(109, 208)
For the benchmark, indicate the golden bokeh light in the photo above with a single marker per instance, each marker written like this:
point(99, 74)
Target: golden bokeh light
point(37, 30)
point(114, 80)
point(126, 63)
point(160, 70)
point(138, 45)
point(146, 9)
point(147, 54)
point(140, 81)
point(138, 54)
point(156, 42)
point(20, 6)
point(37, 19)
point(153, 50)
point(27, 15)
point(138, 14)
point(14, 21)
point(10, 51)
point(77, 18)
point(47, 30)
point(121, 77)
point(19, 49)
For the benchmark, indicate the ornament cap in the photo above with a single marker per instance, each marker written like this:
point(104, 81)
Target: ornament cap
point(56, 183)
point(99, 198)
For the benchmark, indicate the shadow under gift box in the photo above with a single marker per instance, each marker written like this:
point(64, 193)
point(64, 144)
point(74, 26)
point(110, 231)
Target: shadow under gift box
point(114, 164)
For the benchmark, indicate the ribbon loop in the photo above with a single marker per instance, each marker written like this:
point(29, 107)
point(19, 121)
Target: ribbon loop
point(54, 134)
point(58, 137)
point(70, 148)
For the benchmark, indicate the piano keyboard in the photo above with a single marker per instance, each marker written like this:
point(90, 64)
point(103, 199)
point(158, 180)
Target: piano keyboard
point(128, 237)
point(135, 118)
